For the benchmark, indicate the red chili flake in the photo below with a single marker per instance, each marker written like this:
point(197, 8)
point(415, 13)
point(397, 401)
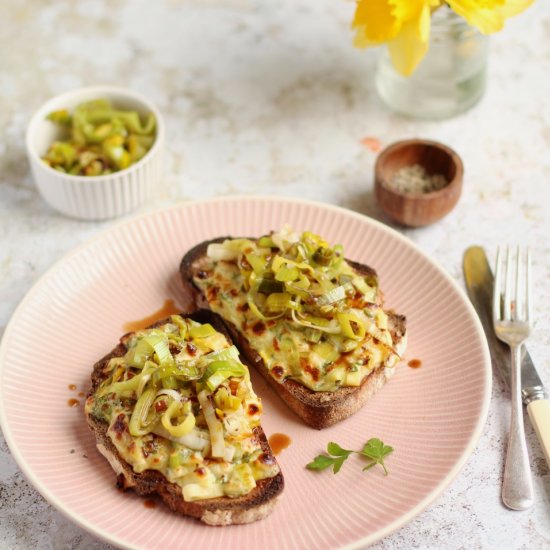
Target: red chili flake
point(160, 406)
point(148, 448)
point(233, 386)
point(200, 472)
point(119, 426)
point(173, 348)
point(212, 293)
point(258, 328)
point(191, 349)
point(277, 371)
point(245, 264)
point(314, 371)
point(253, 409)
point(276, 346)
point(371, 143)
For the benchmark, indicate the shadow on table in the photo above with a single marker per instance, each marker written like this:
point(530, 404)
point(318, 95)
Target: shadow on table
point(365, 203)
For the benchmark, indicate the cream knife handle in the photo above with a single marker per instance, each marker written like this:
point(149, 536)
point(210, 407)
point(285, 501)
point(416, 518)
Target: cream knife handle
point(539, 413)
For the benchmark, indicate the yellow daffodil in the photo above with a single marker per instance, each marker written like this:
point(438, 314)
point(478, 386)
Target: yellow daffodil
point(488, 15)
point(404, 25)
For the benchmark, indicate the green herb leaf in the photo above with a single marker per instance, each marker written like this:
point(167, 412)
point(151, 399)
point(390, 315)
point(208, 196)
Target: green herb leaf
point(338, 464)
point(335, 450)
point(376, 451)
point(339, 456)
point(322, 462)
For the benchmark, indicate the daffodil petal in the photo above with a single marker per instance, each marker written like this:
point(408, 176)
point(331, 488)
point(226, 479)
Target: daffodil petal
point(514, 7)
point(376, 21)
point(404, 10)
point(424, 24)
point(409, 48)
point(488, 16)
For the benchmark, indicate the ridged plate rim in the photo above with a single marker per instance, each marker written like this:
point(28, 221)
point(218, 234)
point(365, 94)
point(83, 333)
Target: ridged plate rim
point(234, 202)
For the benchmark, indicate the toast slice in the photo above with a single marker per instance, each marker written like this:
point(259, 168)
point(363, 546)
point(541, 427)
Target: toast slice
point(243, 482)
point(318, 404)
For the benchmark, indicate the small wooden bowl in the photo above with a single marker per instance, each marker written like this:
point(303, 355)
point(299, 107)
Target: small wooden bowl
point(418, 209)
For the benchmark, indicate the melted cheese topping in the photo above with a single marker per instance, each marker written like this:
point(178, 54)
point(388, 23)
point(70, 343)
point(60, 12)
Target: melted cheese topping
point(202, 386)
point(321, 361)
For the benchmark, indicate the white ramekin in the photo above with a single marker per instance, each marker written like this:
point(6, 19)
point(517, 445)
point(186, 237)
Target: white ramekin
point(94, 197)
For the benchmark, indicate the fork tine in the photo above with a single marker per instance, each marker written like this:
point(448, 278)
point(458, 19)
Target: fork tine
point(496, 287)
point(517, 309)
point(528, 312)
point(507, 313)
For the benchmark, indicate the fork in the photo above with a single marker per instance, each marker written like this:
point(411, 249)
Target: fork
point(511, 320)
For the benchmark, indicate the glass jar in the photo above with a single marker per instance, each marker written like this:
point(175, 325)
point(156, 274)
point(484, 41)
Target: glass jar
point(449, 80)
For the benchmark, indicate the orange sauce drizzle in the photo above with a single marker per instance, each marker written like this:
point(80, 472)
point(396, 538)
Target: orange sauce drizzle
point(279, 442)
point(169, 308)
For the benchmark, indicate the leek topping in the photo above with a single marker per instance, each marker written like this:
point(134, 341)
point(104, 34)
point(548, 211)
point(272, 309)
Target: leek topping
point(296, 275)
point(99, 139)
point(301, 286)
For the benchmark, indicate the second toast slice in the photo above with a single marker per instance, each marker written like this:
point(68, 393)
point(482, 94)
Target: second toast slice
point(311, 322)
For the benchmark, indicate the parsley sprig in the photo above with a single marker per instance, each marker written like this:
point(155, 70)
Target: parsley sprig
point(374, 450)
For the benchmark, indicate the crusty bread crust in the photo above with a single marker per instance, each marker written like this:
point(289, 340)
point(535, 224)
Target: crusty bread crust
point(317, 409)
point(253, 506)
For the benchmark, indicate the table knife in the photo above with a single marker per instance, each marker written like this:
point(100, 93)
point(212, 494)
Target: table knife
point(479, 282)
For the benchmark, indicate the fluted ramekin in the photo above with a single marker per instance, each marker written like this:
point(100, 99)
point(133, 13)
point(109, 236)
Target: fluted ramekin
point(94, 197)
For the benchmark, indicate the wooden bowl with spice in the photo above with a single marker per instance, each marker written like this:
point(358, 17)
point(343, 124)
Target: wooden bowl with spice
point(418, 181)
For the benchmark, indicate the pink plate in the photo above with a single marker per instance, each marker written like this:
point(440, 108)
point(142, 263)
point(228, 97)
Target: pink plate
point(76, 312)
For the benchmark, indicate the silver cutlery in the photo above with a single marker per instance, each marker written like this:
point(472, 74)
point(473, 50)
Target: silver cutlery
point(511, 321)
point(479, 283)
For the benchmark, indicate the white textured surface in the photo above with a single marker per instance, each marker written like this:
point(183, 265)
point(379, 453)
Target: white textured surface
point(266, 96)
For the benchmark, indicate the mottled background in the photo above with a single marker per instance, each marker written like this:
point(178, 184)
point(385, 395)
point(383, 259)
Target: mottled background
point(269, 96)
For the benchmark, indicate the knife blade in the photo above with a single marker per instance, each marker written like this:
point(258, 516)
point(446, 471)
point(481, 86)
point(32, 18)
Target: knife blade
point(479, 283)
